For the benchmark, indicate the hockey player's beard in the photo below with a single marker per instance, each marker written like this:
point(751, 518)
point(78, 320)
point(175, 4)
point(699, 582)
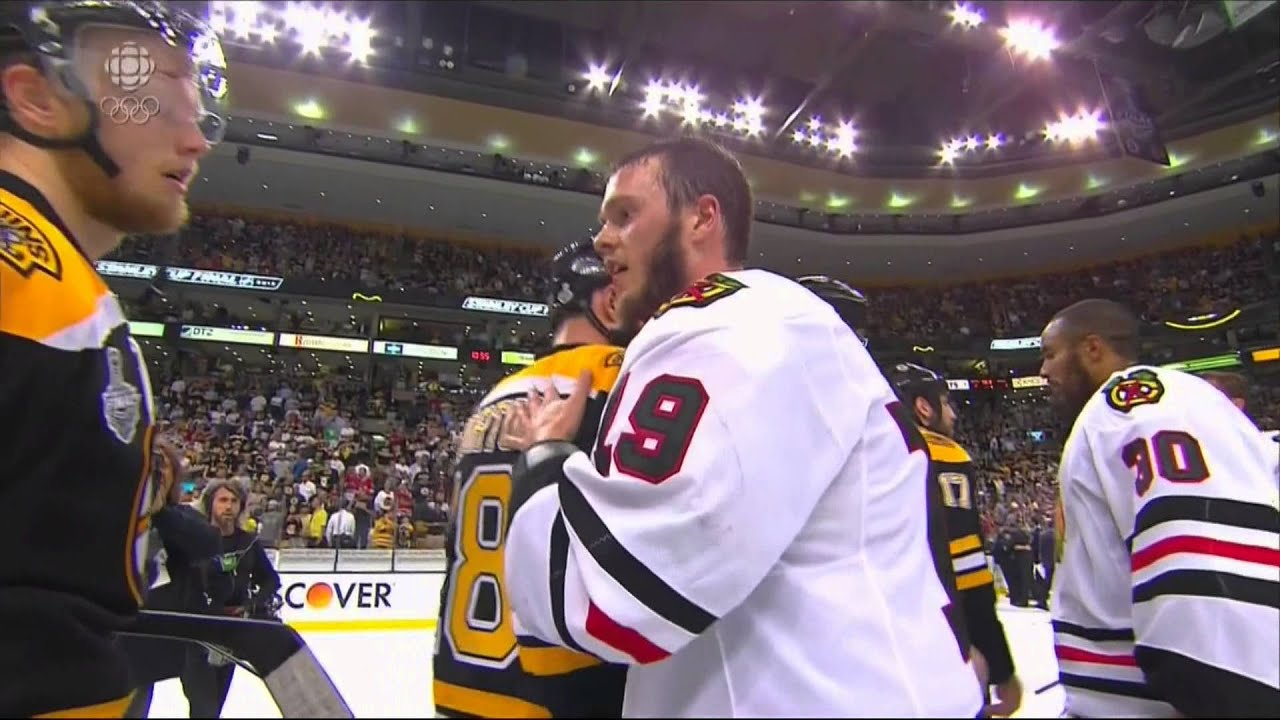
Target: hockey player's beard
point(664, 277)
point(1073, 391)
point(111, 202)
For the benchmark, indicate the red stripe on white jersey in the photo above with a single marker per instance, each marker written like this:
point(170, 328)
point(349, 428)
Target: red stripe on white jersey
point(622, 638)
point(1071, 654)
point(1203, 546)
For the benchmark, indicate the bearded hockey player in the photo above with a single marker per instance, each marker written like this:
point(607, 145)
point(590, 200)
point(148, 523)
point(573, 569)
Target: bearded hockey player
point(925, 393)
point(477, 673)
point(751, 536)
point(1166, 599)
point(78, 172)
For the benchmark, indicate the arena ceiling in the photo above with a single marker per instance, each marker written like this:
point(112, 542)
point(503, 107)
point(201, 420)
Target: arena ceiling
point(886, 84)
point(321, 187)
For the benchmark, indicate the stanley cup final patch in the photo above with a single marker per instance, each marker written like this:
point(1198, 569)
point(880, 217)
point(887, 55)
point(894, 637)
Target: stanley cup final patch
point(121, 400)
point(1140, 387)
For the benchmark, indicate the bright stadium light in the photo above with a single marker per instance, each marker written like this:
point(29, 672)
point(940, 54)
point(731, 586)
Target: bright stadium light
point(994, 141)
point(1031, 39)
point(965, 16)
point(653, 97)
point(244, 18)
point(359, 40)
point(310, 24)
point(840, 140)
point(597, 78)
point(1084, 126)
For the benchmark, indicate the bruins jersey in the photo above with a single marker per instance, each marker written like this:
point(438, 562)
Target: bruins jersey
point(952, 470)
point(74, 469)
point(481, 668)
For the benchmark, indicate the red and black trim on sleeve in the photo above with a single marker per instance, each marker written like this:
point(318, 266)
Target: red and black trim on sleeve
point(634, 577)
point(1216, 583)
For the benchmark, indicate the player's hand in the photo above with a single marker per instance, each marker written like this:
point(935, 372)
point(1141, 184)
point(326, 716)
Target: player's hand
point(1009, 693)
point(552, 417)
point(167, 470)
point(980, 668)
point(517, 428)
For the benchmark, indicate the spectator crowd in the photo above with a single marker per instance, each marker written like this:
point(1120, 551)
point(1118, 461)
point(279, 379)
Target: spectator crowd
point(333, 462)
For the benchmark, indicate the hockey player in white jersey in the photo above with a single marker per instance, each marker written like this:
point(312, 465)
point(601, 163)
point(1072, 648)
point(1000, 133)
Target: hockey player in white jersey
point(751, 534)
point(1167, 596)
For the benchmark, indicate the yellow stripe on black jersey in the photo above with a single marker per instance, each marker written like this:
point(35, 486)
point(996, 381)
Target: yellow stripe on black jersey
point(481, 668)
point(952, 468)
point(77, 410)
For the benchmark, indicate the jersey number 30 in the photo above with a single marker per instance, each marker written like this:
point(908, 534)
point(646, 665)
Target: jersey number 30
point(479, 628)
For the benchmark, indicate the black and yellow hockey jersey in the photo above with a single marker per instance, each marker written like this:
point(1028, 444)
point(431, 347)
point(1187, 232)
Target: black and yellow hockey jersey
point(481, 668)
point(74, 455)
point(952, 469)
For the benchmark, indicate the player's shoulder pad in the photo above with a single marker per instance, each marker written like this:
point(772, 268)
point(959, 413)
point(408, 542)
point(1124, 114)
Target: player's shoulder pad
point(29, 242)
point(1133, 389)
point(711, 289)
point(943, 449)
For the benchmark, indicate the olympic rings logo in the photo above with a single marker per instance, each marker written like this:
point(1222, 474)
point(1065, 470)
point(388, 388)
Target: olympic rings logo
point(129, 108)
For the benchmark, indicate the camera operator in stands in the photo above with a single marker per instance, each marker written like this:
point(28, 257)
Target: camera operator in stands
point(242, 583)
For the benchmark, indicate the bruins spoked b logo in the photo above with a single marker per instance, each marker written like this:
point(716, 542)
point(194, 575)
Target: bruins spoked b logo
point(25, 247)
point(130, 108)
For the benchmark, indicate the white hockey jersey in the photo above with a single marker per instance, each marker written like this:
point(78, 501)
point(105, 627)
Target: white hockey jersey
point(751, 537)
point(1167, 596)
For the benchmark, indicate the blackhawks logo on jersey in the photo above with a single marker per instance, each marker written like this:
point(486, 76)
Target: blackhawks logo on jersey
point(713, 287)
point(25, 247)
point(1140, 387)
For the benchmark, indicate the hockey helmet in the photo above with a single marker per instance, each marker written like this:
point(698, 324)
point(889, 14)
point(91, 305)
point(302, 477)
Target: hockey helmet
point(911, 381)
point(53, 33)
point(577, 272)
point(849, 303)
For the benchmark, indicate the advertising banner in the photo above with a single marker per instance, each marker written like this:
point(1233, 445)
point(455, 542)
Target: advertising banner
point(353, 601)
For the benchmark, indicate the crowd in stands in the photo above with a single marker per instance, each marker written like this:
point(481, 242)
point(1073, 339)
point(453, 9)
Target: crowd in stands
point(336, 462)
point(329, 462)
point(1174, 284)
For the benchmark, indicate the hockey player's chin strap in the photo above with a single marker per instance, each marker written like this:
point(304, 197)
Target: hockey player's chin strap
point(86, 141)
point(539, 466)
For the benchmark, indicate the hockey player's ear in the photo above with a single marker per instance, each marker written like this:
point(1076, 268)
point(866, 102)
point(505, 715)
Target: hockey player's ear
point(35, 104)
point(706, 217)
point(923, 411)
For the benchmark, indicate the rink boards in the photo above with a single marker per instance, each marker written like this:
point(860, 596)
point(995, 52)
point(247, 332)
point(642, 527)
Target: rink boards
point(374, 631)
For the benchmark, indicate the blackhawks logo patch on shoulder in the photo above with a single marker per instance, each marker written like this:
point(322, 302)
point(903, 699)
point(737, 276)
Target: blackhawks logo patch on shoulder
point(1140, 387)
point(25, 247)
point(713, 287)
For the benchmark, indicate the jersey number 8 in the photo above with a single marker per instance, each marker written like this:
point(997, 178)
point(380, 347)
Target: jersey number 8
point(479, 627)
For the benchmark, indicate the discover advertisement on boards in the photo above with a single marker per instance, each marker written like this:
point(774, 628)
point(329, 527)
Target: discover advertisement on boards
point(360, 601)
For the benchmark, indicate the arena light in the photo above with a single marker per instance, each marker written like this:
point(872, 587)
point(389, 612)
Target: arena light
point(597, 78)
point(1026, 191)
point(359, 40)
point(310, 109)
point(839, 140)
point(686, 101)
point(965, 16)
point(897, 200)
point(1030, 39)
point(1083, 126)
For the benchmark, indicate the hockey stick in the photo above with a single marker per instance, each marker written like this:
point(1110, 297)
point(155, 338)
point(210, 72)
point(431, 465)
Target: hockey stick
point(273, 651)
point(1048, 687)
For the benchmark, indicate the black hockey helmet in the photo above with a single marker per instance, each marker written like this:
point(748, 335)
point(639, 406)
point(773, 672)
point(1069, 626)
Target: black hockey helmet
point(849, 303)
point(577, 272)
point(52, 34)
point(911, 381)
